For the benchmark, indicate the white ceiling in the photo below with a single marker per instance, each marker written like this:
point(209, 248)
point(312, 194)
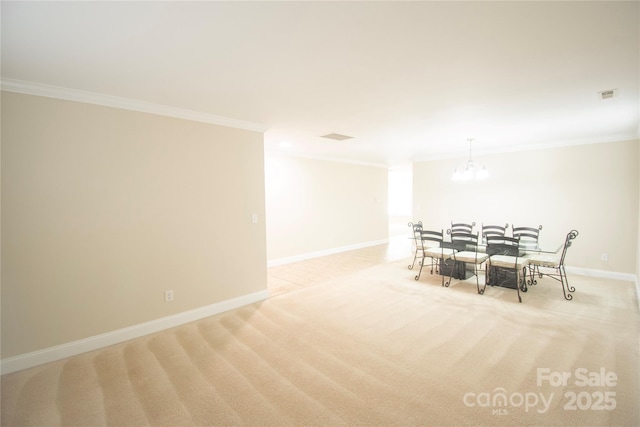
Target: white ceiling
point(408, 80)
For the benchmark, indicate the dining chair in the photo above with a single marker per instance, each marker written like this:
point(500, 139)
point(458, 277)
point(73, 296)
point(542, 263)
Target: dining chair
point(528, 236)
point(416, 234)
point(504, 259)
point(461, 227)
point(554, 262)
point(434, 249)
point(493, 230)
point(465, 250)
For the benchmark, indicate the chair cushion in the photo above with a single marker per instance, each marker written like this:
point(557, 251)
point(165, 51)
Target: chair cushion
point(445, 253)
point(544, 260)
point(430, 246)
point(468, 256)
point(507, 261)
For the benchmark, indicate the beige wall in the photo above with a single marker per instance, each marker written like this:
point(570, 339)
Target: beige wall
point(592, 188)
point(316, 205)
point(103, 209)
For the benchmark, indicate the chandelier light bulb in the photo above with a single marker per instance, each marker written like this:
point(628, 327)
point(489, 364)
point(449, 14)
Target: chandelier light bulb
point(471, 170)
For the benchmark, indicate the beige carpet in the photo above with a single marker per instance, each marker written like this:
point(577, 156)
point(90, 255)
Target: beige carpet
point(374, 347)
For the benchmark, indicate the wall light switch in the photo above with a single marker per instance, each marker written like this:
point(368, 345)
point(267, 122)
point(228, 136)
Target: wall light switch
point(254, 218)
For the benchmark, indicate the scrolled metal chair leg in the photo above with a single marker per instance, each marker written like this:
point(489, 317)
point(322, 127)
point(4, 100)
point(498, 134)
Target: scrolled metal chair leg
point(532, 273)
point(564, 274)
point(420, 272)
point(415, 258)
point(565, 283)
point(524, 287)
point(518, 279)
point(480, 291)
point(448, 282)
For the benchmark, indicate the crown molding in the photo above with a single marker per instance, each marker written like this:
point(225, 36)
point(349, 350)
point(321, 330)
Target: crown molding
point(39, 89)
point(546, 145)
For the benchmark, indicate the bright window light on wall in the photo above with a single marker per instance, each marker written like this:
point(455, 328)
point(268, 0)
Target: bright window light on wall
point(400, 196)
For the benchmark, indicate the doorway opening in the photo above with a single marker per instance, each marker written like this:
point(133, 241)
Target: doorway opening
point(400, 197)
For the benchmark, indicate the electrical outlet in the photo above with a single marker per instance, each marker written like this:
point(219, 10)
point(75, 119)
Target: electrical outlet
point(168, 296)
point(604, 257)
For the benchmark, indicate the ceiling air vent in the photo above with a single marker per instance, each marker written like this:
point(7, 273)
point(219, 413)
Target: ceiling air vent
point(337, 136)
point(606, 94)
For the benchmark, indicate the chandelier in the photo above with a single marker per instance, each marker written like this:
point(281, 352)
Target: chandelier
point(471, 170)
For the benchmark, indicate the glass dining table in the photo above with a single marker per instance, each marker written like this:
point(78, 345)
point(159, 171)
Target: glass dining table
point(458, 270)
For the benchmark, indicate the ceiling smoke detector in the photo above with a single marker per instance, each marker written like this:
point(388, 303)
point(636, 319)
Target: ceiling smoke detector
point(606, 94)
point(336, 136)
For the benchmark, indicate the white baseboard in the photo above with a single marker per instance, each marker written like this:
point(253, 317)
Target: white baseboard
point(609, 275)
point(29, 360)
point(602, 273)
point(302, 257)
